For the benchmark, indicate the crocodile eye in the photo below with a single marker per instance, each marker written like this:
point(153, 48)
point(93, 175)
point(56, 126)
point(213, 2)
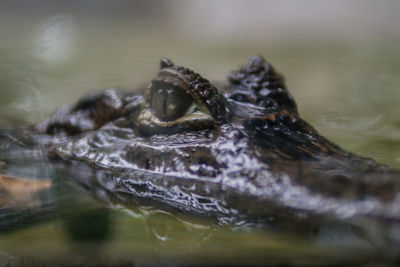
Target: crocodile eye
point(169, 104)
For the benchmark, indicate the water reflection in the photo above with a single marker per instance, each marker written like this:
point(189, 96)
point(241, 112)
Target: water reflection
point(82, 219)
point(80, 228)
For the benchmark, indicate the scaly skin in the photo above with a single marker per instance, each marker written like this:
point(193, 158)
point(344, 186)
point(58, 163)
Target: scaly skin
point(240, 149)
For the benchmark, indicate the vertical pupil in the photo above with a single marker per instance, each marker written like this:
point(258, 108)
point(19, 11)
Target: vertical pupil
point(167, 94)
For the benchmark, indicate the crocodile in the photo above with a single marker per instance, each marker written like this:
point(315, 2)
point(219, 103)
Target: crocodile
point(241, 148)
point(231, 151)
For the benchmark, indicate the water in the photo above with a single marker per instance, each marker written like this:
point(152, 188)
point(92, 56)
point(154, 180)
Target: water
point(69, 224)
point(345, 83)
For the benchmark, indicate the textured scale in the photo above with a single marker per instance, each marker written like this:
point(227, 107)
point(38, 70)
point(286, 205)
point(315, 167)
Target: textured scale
point(244, 152)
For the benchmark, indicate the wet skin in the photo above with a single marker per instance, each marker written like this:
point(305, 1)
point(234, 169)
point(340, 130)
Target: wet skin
point(241, 149)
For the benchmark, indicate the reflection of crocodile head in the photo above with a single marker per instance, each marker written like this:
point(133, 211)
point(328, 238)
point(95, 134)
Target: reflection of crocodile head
point(239, 148)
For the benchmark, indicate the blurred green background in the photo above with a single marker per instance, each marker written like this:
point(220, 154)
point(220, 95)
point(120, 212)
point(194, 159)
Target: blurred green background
point(340, 58)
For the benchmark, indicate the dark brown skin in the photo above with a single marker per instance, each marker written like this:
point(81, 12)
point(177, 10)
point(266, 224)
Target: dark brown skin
point(240, 149)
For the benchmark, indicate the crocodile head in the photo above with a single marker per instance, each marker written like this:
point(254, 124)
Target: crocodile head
point(241, 147)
